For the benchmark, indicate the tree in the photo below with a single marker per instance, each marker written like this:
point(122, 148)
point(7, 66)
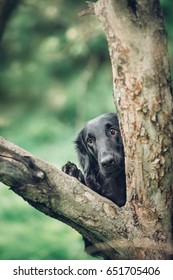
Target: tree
point(142, 229)
point(6, 9)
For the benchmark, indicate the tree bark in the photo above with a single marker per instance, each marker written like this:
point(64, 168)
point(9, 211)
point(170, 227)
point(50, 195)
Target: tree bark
point(141, 79)
point(142, 92)
point(64, 198)
point(6, 9)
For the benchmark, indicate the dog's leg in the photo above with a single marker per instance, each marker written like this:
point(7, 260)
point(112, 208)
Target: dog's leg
point(72, 170)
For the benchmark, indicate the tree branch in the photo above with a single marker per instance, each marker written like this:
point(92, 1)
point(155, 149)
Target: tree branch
point(141, 79)
point(89, 10)
point(60, 196)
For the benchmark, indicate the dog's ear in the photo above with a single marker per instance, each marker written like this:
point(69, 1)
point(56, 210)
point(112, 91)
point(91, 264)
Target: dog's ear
point(82, 151)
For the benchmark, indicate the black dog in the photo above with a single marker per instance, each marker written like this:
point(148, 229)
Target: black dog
point(100, 150)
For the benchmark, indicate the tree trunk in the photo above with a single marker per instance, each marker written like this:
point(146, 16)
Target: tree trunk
point(6, 9)
point(142, 91)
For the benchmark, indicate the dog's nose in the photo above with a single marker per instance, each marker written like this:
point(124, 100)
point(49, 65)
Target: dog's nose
point(107, 162)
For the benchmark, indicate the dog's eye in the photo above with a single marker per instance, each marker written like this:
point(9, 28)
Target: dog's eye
point(112, 131)
point(89, 140)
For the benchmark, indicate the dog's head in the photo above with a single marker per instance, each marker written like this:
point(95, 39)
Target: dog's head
point(99, 145)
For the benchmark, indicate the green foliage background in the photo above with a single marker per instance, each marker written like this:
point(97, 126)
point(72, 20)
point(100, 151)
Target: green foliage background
point(55, 74)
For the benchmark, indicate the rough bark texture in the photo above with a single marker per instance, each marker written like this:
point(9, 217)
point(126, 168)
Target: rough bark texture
point(142, 90)
point(64, 198)
point(141, 78)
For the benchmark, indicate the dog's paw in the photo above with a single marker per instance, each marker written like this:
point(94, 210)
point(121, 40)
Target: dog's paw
point(72, 170)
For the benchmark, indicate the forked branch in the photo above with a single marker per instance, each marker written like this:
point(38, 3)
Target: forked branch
point(60, 196)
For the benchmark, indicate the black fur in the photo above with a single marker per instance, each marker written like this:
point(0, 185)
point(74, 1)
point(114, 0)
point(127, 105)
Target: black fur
point(100, 151)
